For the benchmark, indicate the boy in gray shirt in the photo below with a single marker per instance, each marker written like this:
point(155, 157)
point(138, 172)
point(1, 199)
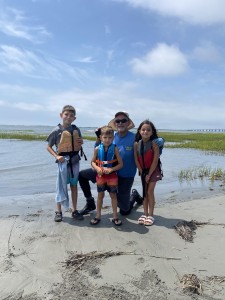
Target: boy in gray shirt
point(64, 143)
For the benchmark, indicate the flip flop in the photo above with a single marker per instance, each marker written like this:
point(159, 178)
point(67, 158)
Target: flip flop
point(149, 221)
point(117, 222)
point(142, 219)
point(95, 221)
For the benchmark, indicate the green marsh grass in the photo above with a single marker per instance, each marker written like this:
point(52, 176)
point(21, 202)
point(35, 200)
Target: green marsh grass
point(23, 135)
point(201, 173)
point(195, 140)
point(217, 174)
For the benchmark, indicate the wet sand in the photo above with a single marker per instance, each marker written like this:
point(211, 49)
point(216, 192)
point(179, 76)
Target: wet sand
point(41, 259)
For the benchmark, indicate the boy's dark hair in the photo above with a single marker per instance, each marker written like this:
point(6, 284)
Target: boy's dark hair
point(107, 130)
point(69, 108)
point(154, 131)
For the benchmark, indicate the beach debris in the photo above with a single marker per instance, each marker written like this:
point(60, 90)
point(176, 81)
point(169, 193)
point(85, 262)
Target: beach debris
point(215, 278)
point(164, 257)
point(191, 284)
point(12, 216)
point(186, 230)
point(208, 223)
point(77, 260)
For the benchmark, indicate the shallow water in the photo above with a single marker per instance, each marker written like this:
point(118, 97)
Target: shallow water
point(27, 168)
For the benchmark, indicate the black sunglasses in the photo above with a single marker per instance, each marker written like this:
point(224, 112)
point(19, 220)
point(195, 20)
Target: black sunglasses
point(121, 121)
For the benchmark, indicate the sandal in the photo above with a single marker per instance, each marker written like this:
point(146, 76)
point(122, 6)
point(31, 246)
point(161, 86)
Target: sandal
point(149, 221)
point(142, 219)
point(95, 221)
point(117, 222)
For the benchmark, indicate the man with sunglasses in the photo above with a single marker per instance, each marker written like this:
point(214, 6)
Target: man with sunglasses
point(124, 140)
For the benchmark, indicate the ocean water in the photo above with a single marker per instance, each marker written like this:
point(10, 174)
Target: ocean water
point(41, 129)
point(26, 168)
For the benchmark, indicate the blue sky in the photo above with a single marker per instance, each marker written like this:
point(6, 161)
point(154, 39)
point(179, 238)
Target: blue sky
point(163, 60)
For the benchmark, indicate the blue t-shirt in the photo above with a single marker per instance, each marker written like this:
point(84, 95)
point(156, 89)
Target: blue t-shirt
point(125, 145)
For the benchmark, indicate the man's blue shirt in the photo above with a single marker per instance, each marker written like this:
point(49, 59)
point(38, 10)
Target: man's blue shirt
point(125, 145)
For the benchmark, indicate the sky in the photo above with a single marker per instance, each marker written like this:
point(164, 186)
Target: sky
point(161, 60)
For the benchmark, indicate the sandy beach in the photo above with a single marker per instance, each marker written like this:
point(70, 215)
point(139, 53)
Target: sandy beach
point(41, 259)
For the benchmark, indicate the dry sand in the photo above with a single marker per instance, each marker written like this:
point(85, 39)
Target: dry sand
point(41, 259)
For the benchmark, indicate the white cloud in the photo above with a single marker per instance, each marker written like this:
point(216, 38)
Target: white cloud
point(205, 12)
point(34, 65)
point(29, 106)
point(14, 23)
point(163, 60)
point(87, 59)
point(206, 52)
point(23, 97)
point(97, 107)
point(15, 59)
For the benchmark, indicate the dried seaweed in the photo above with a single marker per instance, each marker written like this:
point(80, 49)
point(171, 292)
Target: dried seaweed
point(186, 230)
point(77, 260)
point(215, 278)
point(191, 284)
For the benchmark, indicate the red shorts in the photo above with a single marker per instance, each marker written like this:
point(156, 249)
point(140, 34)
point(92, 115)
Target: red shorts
point(156, 175)
point(107, 182)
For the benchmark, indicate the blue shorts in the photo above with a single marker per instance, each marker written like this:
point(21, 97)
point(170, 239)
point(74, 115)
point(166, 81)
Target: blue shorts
point(73, 180)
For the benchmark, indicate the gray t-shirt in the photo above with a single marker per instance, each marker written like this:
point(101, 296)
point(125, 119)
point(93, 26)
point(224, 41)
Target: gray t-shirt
point(54, 138)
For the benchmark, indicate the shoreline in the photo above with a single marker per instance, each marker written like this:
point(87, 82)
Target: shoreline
point(152, 260)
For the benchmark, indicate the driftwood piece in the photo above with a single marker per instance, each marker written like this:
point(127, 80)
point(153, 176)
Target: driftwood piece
point(77, 260)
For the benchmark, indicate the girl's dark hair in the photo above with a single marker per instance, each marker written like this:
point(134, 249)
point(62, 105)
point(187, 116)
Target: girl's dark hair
point(107, 130)
point(154, 131)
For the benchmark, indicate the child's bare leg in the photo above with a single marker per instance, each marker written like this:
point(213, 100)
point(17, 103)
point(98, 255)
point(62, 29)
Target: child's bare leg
point(145, 201)
point(74, 196)
point(115, 219)
point(145, 205)
point(97, 218)
point(114, 204)
point(151, 197)
point(99, 204)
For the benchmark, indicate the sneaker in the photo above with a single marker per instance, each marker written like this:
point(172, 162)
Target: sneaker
point(136, 197)
point(58, 216)
point(89, 206)
point(77, 215)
